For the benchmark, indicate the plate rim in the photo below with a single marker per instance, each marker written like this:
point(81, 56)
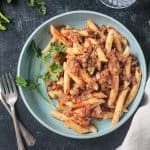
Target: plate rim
point(88, 136)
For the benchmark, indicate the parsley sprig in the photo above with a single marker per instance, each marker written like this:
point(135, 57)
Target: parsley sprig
point(39, 4)
point(20, 81)
point(55, 48)
point(52, 74)
point(54, 69)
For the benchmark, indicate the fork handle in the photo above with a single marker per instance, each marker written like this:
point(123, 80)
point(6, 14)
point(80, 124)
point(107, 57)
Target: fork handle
point(18, 136)
point(29, 139)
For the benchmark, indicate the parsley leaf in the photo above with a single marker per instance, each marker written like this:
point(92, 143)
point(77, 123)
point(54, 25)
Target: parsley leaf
point(36, 50)
point(58, 47)
point(53, 76)
point(44, 76)
point(39, 4)
point(55, 48)
point(32, 85)
point(56, 68)
point(49, 75)
point(20, 81)
point(46, 56)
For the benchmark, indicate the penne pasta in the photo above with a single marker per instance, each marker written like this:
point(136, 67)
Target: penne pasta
point(76, 79)
point(83, 32)
point(87, 79)
point(57, 35)
point(134, 89)
point(61, 107)
point(58, 115)
point(76, 127)
point(91, 25)
point(118, 44)
point(114, 90)
point(55, 93)
point(128, 68)
point(98, 65)
point(109, 41)
point(91, 74)
point(101, 55)
point(126, 52)
point(69, 123)
point(120, 37)
point(66, 80)
point(91, 101)
point(126, 84)
point(73, 51)
point(119, 106)
point(106, 115)
point(99, 95)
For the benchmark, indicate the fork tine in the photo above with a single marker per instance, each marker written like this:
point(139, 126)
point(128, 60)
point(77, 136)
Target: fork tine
point(9, 83)
point(4, 84)
point(13, 83)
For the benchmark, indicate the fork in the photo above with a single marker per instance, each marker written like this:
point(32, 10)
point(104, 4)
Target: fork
point(29, 139)
point(9, 92)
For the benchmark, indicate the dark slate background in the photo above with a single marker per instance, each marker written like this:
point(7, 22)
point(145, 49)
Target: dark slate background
point(25, 20)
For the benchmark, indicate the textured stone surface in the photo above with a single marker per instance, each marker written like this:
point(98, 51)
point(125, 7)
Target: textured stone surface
point(25, 20)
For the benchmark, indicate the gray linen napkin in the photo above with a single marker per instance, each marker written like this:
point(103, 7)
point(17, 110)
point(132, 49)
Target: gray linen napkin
point(138, 136)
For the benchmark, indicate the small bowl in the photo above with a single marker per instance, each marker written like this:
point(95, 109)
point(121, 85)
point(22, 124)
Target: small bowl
point(29, 66)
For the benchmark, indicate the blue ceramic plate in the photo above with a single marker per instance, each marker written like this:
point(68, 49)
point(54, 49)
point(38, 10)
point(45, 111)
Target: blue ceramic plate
point(29, 66)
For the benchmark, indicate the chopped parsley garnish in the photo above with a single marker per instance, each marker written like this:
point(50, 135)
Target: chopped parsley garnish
point(20, 81)
point(53, 76)
point(32, 85)
point(48, 75)
point(54, 69)
point(58, 47)
point(55, 48)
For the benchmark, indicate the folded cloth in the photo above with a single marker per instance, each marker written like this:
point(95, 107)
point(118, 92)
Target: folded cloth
point(138, 136)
